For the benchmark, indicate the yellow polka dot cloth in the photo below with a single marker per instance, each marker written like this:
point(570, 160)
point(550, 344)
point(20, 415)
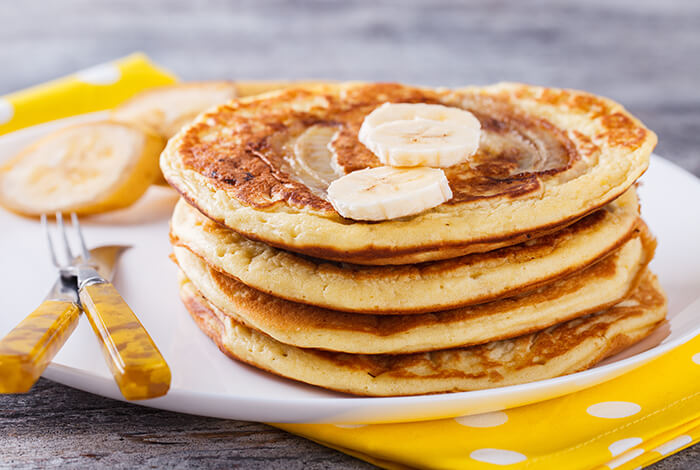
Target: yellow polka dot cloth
point(94, 89)
point(626, 423)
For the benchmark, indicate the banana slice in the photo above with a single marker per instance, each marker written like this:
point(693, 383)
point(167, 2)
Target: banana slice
point(385, 192)
point(165, 110)
point(419, 134)
point(88, 168)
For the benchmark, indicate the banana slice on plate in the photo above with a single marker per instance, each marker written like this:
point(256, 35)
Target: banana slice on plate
point(419, 134)
point(386, 192)
point(164, 110)
point(88, 168)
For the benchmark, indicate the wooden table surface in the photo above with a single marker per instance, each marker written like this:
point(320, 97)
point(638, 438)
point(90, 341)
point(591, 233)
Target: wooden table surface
point(643, 53)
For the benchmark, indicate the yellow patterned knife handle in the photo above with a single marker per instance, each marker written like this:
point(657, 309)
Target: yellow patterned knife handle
point(29, 347)
point(138, 367)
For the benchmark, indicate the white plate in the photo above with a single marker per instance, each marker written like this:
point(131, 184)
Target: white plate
point(205, 382)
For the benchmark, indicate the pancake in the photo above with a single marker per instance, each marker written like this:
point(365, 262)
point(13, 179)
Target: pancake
point(546, 158)
point(597, 287)
point(427, 287)
point(559, 350)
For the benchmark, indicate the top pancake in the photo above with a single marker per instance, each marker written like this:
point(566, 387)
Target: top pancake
point(546, 158)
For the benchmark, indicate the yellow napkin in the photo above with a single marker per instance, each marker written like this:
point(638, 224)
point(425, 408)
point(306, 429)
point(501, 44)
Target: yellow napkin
point(632, 421)
point(95, 89)
point(626, 423)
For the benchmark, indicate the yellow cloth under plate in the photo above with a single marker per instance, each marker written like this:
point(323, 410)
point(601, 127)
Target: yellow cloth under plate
point(632, 421)
point(626, 423)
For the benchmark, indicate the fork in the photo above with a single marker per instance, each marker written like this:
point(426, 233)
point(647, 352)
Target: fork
point(134, 360)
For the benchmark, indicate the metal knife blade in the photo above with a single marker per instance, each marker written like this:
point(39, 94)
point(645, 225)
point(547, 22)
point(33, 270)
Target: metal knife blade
point(102, 258)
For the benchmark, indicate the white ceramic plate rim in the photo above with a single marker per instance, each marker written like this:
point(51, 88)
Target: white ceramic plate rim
point(63, 374)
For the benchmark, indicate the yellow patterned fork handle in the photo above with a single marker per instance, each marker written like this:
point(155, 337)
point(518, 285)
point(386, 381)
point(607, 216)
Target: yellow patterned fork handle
point(138, 367)
point(29, 347)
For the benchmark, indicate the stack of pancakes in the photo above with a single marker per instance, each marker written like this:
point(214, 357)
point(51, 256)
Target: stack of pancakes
point(537, 267)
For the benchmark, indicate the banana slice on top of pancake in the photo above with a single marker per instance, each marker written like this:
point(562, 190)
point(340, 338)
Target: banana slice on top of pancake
point(419, 134)
point(386, 192)
point(405, 135)
point(87, 168)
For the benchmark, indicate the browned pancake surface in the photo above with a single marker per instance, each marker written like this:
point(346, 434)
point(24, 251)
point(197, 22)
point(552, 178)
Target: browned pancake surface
point(516, 150)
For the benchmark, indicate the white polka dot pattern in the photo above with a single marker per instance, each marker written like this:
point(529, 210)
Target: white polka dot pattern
point(6, 111)
point(626, 457)
point(497, 456)
point(105, 74)
point(623, 445)
point(674, 444)
point(613, 409)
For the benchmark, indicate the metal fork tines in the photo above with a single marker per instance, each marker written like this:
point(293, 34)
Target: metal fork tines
point(136, 364)
point(67, 268)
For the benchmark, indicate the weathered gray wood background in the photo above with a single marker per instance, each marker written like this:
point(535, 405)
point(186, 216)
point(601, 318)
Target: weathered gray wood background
point(643, 53)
